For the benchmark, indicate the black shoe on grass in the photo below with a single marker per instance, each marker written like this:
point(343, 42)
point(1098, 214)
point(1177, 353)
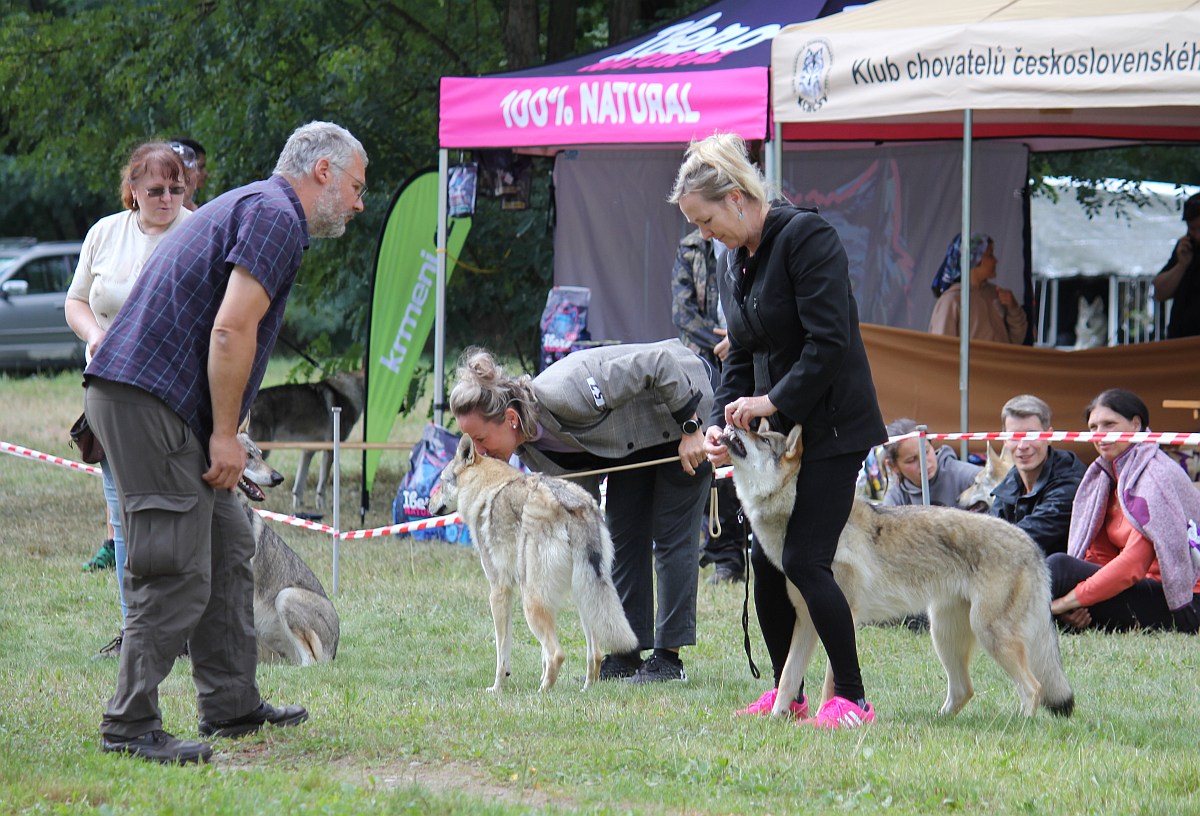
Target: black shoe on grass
point(157, 746)
point(620, 666)
point(252, 722)
point(658, 669)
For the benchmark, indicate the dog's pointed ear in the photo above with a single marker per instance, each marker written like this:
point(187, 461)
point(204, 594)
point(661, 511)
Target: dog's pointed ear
point(763, 426)
point(245, 426)
point(794, 446)
point(466, 449)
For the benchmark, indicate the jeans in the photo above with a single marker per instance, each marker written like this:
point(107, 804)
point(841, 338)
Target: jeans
point(118, 526)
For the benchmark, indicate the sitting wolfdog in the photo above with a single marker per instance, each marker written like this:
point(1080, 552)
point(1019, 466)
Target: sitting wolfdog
point(546, 536)
point(977, 577)
point(294, 619)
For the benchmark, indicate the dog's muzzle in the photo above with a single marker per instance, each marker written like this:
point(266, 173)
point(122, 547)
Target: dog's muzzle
point(734, 442)
point(252, 491)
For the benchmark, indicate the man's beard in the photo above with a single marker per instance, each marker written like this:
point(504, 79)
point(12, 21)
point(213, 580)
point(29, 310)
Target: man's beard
point(328, 220)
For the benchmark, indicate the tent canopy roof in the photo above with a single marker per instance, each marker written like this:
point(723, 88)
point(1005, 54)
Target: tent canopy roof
point(705, 72)
point(1070, 68)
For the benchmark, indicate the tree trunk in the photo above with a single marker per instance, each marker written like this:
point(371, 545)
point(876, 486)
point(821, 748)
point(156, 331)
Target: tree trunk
point(561, 29)
point(621, 15)
point(521, 33)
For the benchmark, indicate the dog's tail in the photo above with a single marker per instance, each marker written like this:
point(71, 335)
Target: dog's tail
point(1046, 664)
point(596, 597)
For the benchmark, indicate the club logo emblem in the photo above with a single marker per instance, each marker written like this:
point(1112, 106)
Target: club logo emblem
point(810, 75)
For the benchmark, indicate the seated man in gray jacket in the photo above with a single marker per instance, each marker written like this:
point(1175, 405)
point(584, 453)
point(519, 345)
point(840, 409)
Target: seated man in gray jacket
point(1037, 493)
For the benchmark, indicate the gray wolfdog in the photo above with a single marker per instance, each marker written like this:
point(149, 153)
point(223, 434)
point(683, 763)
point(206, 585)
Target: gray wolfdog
point(294, 619)
point(302, 412)
point(546, 536)
point(977, 577)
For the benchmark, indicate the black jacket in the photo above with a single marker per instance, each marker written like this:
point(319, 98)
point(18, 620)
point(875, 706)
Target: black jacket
point(1045, 514)
point(793, 331)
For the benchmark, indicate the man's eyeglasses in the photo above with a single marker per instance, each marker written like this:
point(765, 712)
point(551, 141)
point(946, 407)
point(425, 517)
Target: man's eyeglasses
point(159, 192)
point(362, 185)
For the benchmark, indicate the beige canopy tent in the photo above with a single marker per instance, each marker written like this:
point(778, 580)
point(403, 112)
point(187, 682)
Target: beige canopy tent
point(1079, 70)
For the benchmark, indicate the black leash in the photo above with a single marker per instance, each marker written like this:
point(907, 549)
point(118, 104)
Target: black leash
point(746, 600)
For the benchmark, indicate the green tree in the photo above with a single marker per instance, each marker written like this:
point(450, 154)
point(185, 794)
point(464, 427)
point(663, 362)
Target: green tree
point(84, 81)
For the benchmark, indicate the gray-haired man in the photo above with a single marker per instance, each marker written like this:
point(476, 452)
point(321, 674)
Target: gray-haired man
point(166, 391)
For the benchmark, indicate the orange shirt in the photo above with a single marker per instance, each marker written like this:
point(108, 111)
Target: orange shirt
point(1125, 557)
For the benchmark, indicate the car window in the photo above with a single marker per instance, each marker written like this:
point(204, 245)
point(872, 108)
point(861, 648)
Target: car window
point(45, 275)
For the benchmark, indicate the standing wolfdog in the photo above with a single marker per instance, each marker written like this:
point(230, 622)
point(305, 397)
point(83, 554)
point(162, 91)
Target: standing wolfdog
point(546, 536)
point(976, 576)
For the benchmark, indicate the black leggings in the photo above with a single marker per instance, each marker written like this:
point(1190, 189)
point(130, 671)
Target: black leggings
point(1142, 606)
point(824, 496)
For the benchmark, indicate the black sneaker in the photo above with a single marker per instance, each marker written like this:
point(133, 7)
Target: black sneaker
point(726, 575)
point(658, 670)
point(157, 746)
point(249, 723)
point(620, 666)
point(112, 649)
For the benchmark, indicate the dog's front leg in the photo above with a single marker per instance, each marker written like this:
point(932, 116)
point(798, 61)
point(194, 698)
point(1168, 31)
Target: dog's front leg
point(804, 640)
point(323, 478)
point(301, 480)
point(501, 600)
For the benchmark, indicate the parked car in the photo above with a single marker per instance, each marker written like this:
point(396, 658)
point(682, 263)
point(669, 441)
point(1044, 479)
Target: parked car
point(33, 292)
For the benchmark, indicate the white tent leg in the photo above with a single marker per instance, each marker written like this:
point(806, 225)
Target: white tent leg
point(964, 328)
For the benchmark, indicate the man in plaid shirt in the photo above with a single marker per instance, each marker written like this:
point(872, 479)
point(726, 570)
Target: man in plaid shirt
point(166, 391)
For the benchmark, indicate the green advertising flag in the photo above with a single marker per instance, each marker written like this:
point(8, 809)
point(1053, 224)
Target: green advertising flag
point(403, 305)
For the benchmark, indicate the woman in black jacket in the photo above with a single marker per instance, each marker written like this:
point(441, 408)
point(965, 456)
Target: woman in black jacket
point(796, 357)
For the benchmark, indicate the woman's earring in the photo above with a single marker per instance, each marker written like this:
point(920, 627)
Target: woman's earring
point(740, 215)
point(514, 426)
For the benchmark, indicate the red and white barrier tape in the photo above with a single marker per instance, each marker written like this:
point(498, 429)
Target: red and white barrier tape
point(17, 450)
point(1164, 438)
point(1160, 437)
point(406, 527)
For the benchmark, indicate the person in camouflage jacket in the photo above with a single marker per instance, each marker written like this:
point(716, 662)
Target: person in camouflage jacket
point(696, 312)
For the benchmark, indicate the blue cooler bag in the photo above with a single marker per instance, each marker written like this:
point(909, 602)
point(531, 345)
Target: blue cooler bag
point(429, 457)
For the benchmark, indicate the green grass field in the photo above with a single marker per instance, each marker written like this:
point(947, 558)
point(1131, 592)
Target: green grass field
point(400, 722)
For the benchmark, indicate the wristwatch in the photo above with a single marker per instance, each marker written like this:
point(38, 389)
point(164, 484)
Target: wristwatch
point(690, 426)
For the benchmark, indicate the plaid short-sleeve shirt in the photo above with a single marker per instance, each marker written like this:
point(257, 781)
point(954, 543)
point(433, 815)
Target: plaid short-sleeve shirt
point(159, 340)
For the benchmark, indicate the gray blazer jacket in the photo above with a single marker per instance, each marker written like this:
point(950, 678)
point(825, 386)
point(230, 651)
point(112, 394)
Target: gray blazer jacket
point(612, 401)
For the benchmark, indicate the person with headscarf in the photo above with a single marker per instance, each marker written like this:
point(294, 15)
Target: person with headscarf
point(995, 313)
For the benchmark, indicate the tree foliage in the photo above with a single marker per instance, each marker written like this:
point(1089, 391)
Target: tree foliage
point(86, 80)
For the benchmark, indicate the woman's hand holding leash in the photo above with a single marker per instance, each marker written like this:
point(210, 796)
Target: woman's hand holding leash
point(714, 448)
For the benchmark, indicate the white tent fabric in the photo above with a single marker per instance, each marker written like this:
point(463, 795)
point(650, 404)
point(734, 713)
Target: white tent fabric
point(1135, 241)
point(1064, 68)
point(1095, 67)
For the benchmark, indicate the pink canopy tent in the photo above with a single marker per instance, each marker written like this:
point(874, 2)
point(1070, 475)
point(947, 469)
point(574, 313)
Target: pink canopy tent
point(703, 73)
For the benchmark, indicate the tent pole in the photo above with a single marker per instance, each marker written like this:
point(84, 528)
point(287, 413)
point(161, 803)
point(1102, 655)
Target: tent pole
point(439, 324)
point(776, 176)
point(964, 328)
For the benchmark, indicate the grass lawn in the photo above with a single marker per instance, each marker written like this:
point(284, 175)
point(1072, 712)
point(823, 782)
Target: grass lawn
point(401, 723)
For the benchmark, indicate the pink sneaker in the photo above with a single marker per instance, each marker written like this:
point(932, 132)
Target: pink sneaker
point(764, 704)
point(839, 712)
